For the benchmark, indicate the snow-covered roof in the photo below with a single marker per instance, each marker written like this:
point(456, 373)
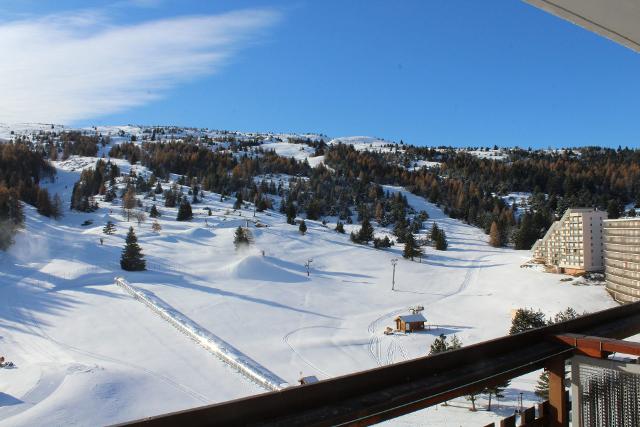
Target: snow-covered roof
point(411, 318)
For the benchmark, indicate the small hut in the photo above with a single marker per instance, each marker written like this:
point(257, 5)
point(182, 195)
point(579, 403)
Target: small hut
point(410, 322)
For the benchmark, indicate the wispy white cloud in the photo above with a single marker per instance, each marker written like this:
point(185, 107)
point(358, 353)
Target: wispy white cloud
point(74, 66)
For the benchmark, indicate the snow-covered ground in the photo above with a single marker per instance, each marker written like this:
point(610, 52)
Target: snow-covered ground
point(419, 164)
point(362, 143)
point(89, 353)
point(493, 154)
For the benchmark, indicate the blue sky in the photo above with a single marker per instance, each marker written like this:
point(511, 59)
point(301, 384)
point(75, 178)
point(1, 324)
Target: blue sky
point(427, 72)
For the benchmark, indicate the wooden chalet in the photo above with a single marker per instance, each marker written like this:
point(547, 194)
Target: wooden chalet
point(410, 322)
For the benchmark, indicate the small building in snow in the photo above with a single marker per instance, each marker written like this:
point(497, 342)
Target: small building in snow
point(410, 322)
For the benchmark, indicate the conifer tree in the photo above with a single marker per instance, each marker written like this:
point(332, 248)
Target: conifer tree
point(613, 209)
point(526, 235)
point(435, 232)
point(525, 319)
point(132, 258)
point(11, 215)
point(239, 201)
point(340, 227)
point(441, 241)
point(303, 227)
point(109, 228)
point(439, 345)
point(291, 213)
point(542, 386)
point(154, 213)
point(184, 211)
point(494, 235)
point(411, 248)
point(241, 238)
point(158, 189)
point(44, 203)
point(56, 206)
point(365, 234)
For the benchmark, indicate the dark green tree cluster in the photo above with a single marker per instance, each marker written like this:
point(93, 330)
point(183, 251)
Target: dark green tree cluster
point(93, 181)
point(365, 234)
point(184, 211)
point(438, 237)
point(11, 216)
point(411, 248)
point(381, 243)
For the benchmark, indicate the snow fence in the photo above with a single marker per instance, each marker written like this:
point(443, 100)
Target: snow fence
point(223, 350)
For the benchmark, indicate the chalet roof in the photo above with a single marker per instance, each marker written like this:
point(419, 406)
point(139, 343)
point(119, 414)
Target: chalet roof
point(410, 318)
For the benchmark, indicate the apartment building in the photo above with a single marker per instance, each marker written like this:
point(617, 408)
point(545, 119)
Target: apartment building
point(622, 258)
point(573, 244)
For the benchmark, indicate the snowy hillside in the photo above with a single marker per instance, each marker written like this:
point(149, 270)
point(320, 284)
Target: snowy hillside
point(88, 353)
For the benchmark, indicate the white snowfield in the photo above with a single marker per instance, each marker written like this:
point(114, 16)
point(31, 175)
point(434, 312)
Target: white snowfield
point(225, 351)
point(89, 354)
point(362, 143)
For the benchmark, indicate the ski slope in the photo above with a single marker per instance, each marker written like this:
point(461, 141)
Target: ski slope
point(88, 353)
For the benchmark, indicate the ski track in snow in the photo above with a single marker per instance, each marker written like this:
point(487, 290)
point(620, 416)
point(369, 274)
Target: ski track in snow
point(37, 329)
point(285, 339)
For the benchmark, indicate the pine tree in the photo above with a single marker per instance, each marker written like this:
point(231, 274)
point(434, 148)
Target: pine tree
point(526, 319)
point(109, 228)
point(439, 345)
point(291, 213)
point(11, 215)
point(435, 232)
point(170, 198)
point(542, 387)
point(56, 206)
point(526, 235)
point(411, 248)
point(340, 227)
point(441, 241)
point(154, 213)
point(184, 211)
point(132, 258)
point(302, 228)
point(239, 201)
point(158, 189)
point(241, 238)
point(365, 234)
point(43, 203)
point(613, 209)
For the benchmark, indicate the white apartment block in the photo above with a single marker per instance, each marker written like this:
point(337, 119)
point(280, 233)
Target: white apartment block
point(573, 244)
point(622, 258)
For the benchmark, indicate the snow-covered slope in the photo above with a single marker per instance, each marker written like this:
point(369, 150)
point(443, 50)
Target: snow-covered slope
point(362, 143)
point(88, 353)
